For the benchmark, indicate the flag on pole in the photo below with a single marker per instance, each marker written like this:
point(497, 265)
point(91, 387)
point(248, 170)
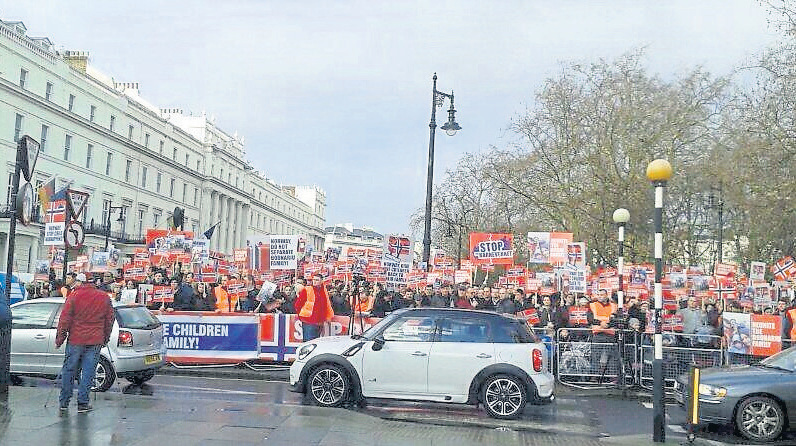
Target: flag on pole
point(209, 232)
point(46, 191)
point(784, 269)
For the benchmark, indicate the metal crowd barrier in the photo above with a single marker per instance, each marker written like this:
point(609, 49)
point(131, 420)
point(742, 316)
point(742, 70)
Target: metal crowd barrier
point(680, 352)
point(586, 359)
point(547, 337)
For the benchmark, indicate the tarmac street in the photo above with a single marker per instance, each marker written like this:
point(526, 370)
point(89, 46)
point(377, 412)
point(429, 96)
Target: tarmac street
point(206, 410)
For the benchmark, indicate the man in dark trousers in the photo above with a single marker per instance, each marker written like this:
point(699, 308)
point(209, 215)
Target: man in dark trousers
point(85, 324)
point(313, 308)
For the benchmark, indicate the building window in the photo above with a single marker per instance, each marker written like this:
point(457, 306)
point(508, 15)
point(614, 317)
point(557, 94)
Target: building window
point(198, 165)
point(195, 196)
point(146, 140)
point(43, 139)
point(236, 181)
point(171, 188)
point(113, 123)
point(106, 205)
point(141, 214)
point(18, 127)
point(143, 177)
point(92, 113)
point(23, 77)
point(187, 157)
point(221, 177)
point(174, 155)
point(108, 162)
point(67, 146)
point(48, 91)
point(89, 155)
point(71, 104)
point(157, 182)
point(128, 167)
point(130, 131)
point(161, 147)
point(155, 218)
point(9, 188)
point(184, 191)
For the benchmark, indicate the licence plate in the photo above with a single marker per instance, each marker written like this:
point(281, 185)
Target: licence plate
point(151, 359)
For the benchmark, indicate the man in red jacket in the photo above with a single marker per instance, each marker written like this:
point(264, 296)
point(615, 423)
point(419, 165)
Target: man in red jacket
point(313, 308)
point(87, 321)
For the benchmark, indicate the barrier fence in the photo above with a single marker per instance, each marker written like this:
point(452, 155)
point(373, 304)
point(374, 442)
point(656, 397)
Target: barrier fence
point(578, 357)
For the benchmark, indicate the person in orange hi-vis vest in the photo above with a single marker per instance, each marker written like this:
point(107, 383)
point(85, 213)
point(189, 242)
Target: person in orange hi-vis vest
point(602, 310)
point(313, 307)
point(223, 303)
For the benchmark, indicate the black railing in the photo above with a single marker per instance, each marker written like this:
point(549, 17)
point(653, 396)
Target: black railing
point(118, 236)
point(36, 217)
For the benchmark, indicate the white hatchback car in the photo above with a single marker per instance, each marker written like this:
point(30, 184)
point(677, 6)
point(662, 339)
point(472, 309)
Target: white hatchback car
point(135, 352)
point(429, 354)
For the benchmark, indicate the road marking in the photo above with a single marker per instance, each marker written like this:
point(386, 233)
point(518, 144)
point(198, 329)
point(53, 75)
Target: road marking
point(676, 428)
point(214, 390)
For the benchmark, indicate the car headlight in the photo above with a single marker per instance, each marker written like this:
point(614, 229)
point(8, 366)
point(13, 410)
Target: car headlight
point(714, 391)
point(305, 351)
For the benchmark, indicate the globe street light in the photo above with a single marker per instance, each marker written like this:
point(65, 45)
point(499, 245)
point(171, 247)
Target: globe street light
point(658, 172)
point(621, 217)
point(450, 127)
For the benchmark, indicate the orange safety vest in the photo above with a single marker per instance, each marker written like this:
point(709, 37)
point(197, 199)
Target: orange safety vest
point(792, 317)
point(364, 305)
point(309, 304)
point(602, 313)
point(223, 301)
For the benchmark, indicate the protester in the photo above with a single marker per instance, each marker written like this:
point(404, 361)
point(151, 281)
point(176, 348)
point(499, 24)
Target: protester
point(204, 299)
point(85, 324)
point(313, 308)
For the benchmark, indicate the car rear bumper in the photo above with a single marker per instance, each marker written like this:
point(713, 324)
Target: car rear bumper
point(127, 362)
point(545, 385)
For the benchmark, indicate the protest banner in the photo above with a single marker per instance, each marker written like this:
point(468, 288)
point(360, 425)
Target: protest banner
point(461, 276)
point(395, 274)
point(558, 247)
point(42, 269)
point(766, 334)
point(240, 255)
point(397, 249)
point(207, 339)
point(757, 271)
point(576, 254)
point(283, 252)
point(577, 280)
point(54, 234)
point(161, 294)
point(538, 247)
point(134, 272)
point(491, 248)
point(99, 262)
point(235, 288)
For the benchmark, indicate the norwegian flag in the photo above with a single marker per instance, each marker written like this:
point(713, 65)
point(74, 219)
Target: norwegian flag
point(784, 269)
point(56, 212)
point(258, 258)
point(399, 246)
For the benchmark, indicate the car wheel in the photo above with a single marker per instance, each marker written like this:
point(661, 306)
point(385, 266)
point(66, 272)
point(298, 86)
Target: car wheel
point(504, 396)
point(104, 376)
point(328, 385)
point(141, 377)
point(760, 419)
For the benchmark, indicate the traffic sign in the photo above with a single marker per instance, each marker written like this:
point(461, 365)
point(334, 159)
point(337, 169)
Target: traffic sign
point(24, 205)
point(77, 202)
point(74, 234)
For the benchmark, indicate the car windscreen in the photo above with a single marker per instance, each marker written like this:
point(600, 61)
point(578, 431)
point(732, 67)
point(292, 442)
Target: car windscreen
point(136, 318)
point(512, 331)
point(371, 332)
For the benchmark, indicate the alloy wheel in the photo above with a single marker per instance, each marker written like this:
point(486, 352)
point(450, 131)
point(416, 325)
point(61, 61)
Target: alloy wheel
point(503, 396)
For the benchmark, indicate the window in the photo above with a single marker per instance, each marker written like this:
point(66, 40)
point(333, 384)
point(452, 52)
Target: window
point(108, 161)
point(184, 191)
point(43, 139)
point(106, 206)
point(48, 91)
point(221, 177)
point(141, 214)
point(411, 329)
point(67, 146)
point(463, 330)
point(130, 131)
point(171, 188)
point(510, 332)
point(187, 157)
point(174, 154)
point(71, 104)
point(8, 189)
point(23, 77)
point(18, 127)
point(198, 165)
point(161, 147)
point(146, 140)
point(143, 177)
point(195, 196)
point(89, 155)
point(156, 218)
point(113, 123)
point(157, 182)
point(92, 113)
point(32, 316)
point(128, 167)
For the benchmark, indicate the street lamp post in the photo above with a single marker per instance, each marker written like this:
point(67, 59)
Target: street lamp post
point(461, 226)
point(111, 209)
point(450, 127)
point(621, 217)
point(27, 154)
point(714, 203)
point(659, 172)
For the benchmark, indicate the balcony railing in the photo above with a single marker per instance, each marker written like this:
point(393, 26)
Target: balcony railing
point(118, 236)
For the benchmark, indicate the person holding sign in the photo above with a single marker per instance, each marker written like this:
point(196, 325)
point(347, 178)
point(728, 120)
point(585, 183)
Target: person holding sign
point(313, 308)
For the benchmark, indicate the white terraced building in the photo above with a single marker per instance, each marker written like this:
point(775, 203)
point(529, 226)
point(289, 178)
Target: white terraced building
point(101, 137)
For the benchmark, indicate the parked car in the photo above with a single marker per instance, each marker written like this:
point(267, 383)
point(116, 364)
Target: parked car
point(135, 351)
point(759, 400)
point(18, 291)
point(429, 354)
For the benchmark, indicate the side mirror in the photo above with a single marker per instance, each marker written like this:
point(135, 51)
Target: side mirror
point(378, 343)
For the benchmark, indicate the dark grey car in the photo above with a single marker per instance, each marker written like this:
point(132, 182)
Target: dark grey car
point(759, 400)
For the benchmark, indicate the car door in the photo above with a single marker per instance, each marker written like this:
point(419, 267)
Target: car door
point(399, 369)
point(55, 355)
point(461, 350)
point(31, 335)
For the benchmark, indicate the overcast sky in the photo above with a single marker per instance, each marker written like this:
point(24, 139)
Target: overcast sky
point(338, 93)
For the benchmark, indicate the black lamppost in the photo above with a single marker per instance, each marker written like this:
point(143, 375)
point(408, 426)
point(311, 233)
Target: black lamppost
point(462, 225)
point(450, 127)
point(27, 154)
point(111, 209)
point(718, 204)
point(621, 217)
point(658, 172)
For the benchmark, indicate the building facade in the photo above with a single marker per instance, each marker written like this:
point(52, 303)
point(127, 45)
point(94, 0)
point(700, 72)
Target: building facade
point(344, 236)
point(138, 162)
